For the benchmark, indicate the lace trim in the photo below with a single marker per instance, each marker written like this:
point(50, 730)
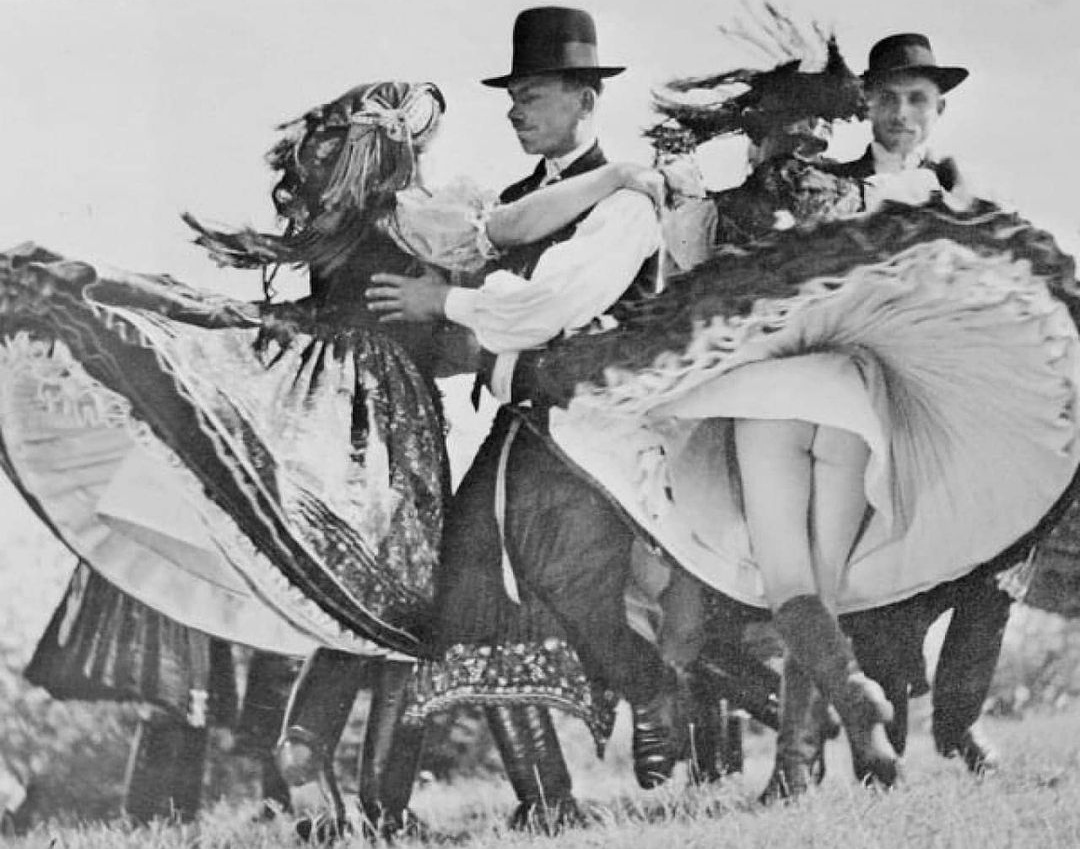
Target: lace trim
point(63, 387)
point(1016, 580)
point(125, 325)
point(720, 345)
point(547, 673)
point(943, 267)
point(484, 245)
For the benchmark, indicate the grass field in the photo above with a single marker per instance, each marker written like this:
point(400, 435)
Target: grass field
point(1033, 801)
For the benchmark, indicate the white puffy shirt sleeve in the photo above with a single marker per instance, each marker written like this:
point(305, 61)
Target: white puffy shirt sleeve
point(574, 282)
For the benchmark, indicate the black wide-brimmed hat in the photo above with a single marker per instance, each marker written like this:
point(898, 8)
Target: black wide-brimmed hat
point(910, 53)
point(548, 39)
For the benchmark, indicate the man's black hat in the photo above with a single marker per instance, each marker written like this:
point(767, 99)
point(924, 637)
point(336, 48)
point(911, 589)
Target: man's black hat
point(910, 52)
point(549, 39)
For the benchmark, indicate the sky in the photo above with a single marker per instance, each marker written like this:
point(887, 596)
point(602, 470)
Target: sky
point(119, 114)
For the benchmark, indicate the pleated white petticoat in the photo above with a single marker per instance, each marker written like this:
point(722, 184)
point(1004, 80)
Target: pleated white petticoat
point(959, 371)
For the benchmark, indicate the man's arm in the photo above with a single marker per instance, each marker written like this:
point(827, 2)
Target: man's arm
point(574, 282)
point(547, 210)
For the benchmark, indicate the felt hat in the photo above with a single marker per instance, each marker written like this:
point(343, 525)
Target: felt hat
point(910, 53)
point(550, 39)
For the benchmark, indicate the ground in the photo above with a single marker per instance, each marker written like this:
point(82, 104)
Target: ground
point(1034, 800)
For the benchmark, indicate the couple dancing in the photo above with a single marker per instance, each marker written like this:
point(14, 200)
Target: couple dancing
point(305, 440)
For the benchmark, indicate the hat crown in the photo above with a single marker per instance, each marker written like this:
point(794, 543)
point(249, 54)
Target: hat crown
point(900, 51)
point(551, 39)
point(910, 52)
point(544, 24)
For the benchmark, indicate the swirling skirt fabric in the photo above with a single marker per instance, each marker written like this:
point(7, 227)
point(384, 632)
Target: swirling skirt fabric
point(944, 340)
point(273, 483)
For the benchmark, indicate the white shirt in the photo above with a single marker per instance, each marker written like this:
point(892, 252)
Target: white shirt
point(574, 282)
point(887, 162)
point(553, 168)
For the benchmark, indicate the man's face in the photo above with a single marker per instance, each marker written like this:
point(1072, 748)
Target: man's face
point(903, 111)
point(547, 114)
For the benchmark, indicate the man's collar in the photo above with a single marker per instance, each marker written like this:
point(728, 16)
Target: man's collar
point(886, 162)
point(554, 167)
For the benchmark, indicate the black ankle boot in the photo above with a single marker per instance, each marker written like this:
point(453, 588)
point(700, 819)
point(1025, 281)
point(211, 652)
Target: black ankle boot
point(314, 796)
point(275, 792)
point(800, 740)
point(165, 771)
point(660, 732)
point(391, 754)
point(977, 750)
point(534, 764)
point(319, 706)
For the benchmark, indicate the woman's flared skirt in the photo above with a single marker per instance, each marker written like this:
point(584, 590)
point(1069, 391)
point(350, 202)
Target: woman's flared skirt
point(271, 477)
point(949, 348)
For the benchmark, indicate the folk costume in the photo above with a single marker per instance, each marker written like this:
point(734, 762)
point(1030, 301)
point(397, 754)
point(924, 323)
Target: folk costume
point(889, 641)
point(895, 326)
point(294, 451)
point(488, 615)
point(530, 604)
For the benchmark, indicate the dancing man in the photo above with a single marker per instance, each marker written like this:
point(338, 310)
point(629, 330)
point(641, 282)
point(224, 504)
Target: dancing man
point(905, 89)
point(534, 560)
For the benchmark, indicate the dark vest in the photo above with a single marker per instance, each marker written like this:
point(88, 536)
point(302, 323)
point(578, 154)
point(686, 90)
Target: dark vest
point(863, 168)
point(523, 259)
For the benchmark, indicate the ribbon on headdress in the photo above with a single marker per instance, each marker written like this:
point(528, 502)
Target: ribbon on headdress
point(406, 125)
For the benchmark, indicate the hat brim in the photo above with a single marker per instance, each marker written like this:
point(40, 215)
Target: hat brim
point(505, 80)
point(946, 78)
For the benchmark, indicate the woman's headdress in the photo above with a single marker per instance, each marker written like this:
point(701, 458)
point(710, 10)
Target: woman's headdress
point(341, 164)
point(810, 79)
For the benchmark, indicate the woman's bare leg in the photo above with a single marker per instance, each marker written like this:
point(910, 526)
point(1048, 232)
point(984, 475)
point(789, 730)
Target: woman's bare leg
point(804, 502)
point(776, 471)
point(838, 505)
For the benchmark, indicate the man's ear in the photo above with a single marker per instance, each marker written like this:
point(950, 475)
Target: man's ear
point(940, 105)
point(588, 100)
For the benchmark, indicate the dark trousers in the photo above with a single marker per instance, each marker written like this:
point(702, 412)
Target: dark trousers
point(570, 555)
point(888, 643)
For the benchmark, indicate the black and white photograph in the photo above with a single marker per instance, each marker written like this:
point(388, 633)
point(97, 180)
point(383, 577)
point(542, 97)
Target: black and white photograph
point(631, 423)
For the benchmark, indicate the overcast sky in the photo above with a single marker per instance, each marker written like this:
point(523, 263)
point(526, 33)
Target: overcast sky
point(118, 114)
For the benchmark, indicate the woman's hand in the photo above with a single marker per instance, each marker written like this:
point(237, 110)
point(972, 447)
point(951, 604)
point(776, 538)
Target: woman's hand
point(639, 178)
point(683, 178)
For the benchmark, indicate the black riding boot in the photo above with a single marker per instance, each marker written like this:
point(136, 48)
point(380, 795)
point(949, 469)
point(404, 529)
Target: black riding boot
point(533, 760)
point(800, 740)
point(814, 639)
point(321, 701)
point(270, 681)
point(165, 771)
point(391, 753)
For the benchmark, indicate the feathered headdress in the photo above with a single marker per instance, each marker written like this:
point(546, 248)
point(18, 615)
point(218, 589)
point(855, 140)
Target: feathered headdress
point(341, 164)
point(809, 80)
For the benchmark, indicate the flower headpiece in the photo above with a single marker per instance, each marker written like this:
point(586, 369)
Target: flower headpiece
point(809, 80)
point(341, 164)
